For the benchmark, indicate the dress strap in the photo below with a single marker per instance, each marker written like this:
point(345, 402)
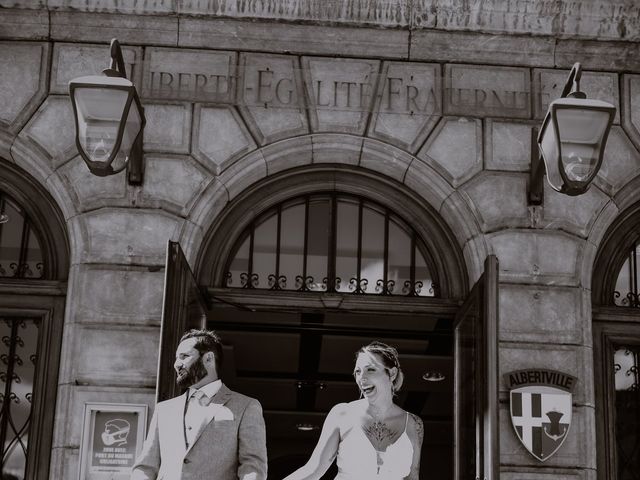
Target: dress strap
point(406, 422)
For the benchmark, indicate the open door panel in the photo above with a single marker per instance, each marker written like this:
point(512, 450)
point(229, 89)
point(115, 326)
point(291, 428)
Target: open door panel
point(184, 307)
point(476, 453)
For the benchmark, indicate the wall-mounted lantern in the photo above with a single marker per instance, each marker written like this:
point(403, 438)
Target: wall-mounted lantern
point(571, 141)
point(109, 120)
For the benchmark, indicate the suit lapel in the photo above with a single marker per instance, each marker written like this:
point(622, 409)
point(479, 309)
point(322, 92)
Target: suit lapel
point(174, 417)
point(221, 397)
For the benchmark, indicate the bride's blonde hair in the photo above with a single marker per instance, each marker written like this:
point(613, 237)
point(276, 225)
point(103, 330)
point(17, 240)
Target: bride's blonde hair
point(389, 358)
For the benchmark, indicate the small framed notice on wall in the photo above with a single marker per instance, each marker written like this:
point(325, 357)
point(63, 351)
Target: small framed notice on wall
point(112, 437)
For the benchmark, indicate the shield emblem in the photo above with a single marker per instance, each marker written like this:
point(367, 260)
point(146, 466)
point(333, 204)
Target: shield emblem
point(540, 409)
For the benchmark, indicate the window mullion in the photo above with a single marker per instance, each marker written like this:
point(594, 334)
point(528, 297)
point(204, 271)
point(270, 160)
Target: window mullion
point(385, 261)
point(333, 241)
point(22, 268)
point(412, 267)
point(249, 283)
point(276, 280)
point(305, 251)
point(634, 301)
point(358, 279)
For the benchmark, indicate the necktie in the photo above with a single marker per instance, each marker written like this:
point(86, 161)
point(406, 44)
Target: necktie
point(200, 397)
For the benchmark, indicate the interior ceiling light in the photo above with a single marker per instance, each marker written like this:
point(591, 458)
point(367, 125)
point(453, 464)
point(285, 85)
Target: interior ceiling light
point(433, 376)
point(306, 427)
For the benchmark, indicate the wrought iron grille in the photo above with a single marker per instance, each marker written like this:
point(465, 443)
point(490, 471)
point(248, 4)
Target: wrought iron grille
point(18, 356)
point(332, 243)
point(626, 293)
point(20, 252)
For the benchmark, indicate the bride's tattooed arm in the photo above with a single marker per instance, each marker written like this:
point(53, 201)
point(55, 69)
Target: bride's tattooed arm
point(416, 435)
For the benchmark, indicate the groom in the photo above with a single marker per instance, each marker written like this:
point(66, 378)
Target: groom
point(209, 431)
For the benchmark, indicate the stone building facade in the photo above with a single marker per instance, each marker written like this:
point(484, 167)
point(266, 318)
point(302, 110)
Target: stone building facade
point(427, 102)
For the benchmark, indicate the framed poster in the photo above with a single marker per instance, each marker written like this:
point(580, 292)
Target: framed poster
point(112, 437)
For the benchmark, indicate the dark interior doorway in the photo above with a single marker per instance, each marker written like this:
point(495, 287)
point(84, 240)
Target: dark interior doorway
point(299, 364)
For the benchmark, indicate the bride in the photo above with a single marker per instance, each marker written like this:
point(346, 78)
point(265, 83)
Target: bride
point(371, 437)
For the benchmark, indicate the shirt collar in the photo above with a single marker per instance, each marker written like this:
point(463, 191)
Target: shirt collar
point(210, 389)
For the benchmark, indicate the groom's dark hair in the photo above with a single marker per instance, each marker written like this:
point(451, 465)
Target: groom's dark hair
point(207, 341)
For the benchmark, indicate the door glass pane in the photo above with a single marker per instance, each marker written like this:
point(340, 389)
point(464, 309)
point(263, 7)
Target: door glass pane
point(372, 267)
point(264, 251)
point(34, 265)
point(318, 243)
point(399, 258)
point(20, 252)
point(18, 359)
point(627, 411)
point(309, 235)
point(424, 286)
point(292, 244)
point(626, 292)
point(346, 244)
point(10, 241)
point(239, 267)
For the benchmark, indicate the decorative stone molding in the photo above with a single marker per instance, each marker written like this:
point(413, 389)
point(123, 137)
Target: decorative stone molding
point(621, 162)
point(548, 85)
point(220, 137)
point(23, 83)
point(408, 104)
point(603, 19)
point(71, 60)
point(484, 91)
point(507, 145)
point(341, 93)
point(455, 149)
point(543, 257)
point(168, 128)
point(187, 179)
point(486, 194)
point(271, 96)
point(631, 107)
point(52, 128)
point(573, 214)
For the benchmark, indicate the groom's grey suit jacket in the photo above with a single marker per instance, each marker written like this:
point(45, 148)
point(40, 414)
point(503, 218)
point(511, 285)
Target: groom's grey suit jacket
point(224, 449)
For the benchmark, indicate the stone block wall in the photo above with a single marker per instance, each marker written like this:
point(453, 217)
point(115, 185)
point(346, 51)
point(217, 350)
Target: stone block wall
point(447, 114)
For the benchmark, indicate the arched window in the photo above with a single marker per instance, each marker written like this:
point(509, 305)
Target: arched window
point(20, 252)
point(616, 330)
point(332, 243)
point(626, 290)
point(34, 263)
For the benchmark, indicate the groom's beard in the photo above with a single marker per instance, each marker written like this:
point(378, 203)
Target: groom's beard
point(192, 375)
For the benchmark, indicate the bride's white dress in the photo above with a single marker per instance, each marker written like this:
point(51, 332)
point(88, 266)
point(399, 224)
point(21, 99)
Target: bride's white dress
point(358, 460)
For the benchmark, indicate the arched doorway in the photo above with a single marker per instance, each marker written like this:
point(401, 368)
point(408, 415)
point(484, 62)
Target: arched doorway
point(34, 263)
point(331, 260)
point(285, 266)
point(616, 342)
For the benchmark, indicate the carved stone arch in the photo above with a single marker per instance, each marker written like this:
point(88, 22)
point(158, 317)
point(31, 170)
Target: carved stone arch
point(613, 234)
point(336, 152)
point(44, 215)
point(612, 252)
point(440, 240)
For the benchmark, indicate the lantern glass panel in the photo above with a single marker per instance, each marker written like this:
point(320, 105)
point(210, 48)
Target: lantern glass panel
point(549, 149)
point(131, 129)
point(100, 111)
point(581, 133)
